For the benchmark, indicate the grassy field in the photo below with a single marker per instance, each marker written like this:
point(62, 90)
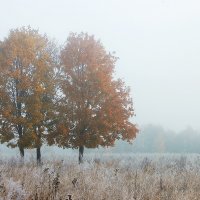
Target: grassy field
point(137, 177)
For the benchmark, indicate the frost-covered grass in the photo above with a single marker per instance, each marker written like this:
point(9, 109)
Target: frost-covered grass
point(108, 177)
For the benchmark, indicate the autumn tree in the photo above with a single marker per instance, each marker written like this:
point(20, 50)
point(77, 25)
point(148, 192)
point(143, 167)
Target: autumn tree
point(95, 107)
point(27, 88)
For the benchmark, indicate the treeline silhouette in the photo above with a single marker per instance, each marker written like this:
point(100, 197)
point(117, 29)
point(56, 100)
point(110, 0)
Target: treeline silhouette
point(156, 139)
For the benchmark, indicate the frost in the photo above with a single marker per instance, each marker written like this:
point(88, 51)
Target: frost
point(14, 190)
point(103, 176)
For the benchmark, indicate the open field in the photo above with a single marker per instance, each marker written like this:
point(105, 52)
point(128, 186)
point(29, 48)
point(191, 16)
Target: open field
point(138, 177)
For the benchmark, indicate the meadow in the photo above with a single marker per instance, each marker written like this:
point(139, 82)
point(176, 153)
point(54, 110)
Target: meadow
point(103, 177)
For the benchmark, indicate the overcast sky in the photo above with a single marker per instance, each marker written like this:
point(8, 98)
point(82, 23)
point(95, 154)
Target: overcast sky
point(158, 42)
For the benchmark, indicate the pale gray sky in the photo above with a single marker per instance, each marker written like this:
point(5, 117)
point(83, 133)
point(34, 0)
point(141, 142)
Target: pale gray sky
point(158, 42)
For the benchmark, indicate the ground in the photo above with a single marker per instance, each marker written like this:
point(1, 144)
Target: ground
point(105, 177)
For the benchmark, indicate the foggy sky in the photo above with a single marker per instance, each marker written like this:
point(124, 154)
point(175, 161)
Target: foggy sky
point(158, 42)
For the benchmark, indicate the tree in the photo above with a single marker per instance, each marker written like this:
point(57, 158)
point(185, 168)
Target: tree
point(95, 107)
point(27, 87)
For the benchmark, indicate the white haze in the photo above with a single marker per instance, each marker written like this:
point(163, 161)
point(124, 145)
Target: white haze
point(158, 42)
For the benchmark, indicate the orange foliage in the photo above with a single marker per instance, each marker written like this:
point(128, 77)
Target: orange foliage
point(76, 103)
point(26, 86)
point(96, 107)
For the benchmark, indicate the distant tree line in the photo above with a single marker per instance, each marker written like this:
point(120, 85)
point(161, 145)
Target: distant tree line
point(61, 95)
point(156, 139)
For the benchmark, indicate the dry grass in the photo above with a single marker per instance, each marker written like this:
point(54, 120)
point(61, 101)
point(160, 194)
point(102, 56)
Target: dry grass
point(115, 179)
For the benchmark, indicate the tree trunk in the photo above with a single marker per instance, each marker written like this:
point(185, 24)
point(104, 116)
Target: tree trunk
point(38, 155)
point(20, 144)
point(19, 109)
point(81, 150)
point(21, 150)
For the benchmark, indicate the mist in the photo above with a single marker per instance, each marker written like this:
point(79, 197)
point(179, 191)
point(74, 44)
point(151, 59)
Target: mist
point(157, 41)
point(151, 139)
